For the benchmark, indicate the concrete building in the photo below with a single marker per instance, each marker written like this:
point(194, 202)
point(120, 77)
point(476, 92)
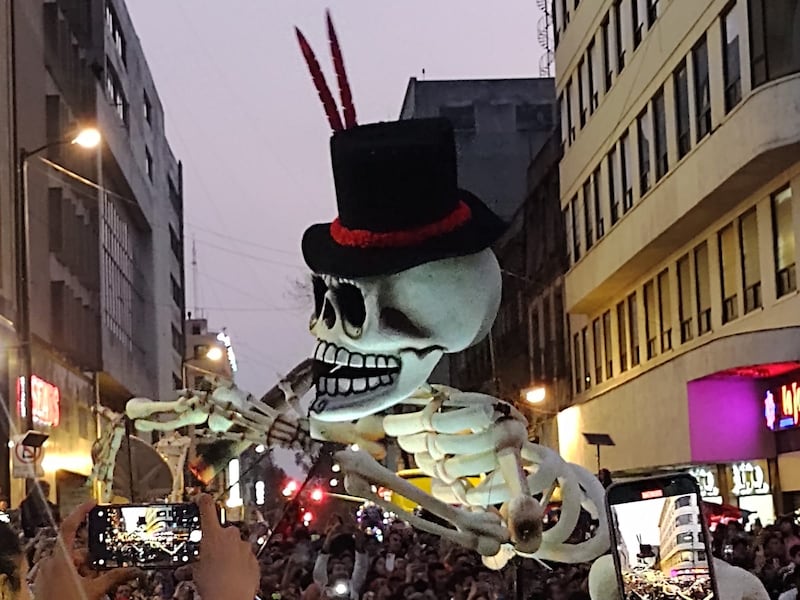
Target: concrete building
point(528, 346)
point(208, 353)
point(106, 269)
point(679, 187)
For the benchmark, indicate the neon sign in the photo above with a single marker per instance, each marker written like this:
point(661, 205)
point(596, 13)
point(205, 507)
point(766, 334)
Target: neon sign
point(749, 480)
point(46, 402)
point(785, 412)
point(707, 482)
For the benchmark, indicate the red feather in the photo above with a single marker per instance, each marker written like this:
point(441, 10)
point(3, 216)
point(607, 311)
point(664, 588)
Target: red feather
point(319, 82)
point(341, 76)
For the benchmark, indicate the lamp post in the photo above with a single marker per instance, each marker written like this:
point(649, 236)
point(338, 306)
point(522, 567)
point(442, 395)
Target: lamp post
point(86, 138)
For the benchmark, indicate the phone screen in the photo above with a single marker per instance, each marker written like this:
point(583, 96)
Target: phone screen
point(660, 540)
point(148, 536)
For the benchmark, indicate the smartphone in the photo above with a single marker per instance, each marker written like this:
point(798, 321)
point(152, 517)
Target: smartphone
point(660, 541)
point(148, 536)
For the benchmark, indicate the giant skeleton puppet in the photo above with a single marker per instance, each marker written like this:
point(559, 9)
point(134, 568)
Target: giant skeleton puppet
point(404, 275)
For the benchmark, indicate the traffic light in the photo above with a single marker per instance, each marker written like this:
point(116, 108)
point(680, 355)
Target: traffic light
point(290, 488)
point(317, 494)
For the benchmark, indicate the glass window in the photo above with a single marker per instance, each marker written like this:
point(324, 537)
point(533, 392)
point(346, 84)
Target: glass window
point(558, 341)
point(588, 204)
point(598, 213)
point(562, 110)
point(576, 235)
point(681, 502)
point(613, 173)
point(570, 126)
point(643, 129)
point(650, 319)
point(703, 285)
point(148, 163)
point(727, 272)
point(783, 241)
point(567, 213)
point(565, 13)
point(660, 134)
point(637, 16)
point(625, 172)
point(681, 80)
point(597, 338)
point(730, 58)
point(702, 92)
point(148, 110)
point(607, 69)
point(587, 375)
point(536, 347)
point(683, 520)
point(582, 93)
point(618, 39)
point(685, 298)
point(664, 310)
point(653, 12)
point(633, 326)
point(773, 39)
point(751, 269)
point(593, 67)
point(622, 336)
point(607, 344)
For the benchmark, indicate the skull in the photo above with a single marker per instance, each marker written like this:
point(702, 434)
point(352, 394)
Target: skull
point(379, 338)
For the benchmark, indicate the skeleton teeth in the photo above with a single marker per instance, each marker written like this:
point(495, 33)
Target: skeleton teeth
point(381, 362)
point(356, 360)
point(386, 379)
point(342, 356)
point(369, 362)
point(374, 382)
point(320, 351)
point(330, 386)
point(360, 385)
point(330, 354)
point(393, 362)
point(344, 385)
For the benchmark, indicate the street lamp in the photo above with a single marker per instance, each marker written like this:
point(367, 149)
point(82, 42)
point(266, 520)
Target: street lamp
point(535, 395)
point(214, 353)
point(85, 138)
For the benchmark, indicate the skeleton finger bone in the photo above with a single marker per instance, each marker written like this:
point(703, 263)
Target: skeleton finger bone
point(365, 433)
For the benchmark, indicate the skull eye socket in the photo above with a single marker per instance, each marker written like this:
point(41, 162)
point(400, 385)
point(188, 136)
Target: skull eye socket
point(320, 289)
point(350, 302)
point(398, 321)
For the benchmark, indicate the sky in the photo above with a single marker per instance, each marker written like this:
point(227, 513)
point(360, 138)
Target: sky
point(243, 116)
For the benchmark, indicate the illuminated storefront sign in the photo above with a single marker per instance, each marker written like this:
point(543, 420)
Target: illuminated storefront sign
point(707, 482)
point(749, 480)
point(46, 402)
point(783, 412)
point(226, 341)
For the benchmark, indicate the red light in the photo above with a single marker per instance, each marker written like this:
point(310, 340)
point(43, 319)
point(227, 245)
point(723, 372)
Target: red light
point(652, 494)
point(308, 517)
point(317, 495)
point(291, 488)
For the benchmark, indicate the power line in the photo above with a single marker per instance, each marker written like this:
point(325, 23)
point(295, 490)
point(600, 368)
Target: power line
point(252, 256)
point(240, 240)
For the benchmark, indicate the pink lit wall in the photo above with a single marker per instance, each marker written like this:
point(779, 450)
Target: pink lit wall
point(726, 420)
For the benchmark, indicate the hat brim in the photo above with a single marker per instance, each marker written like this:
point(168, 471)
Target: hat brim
point(325, 256)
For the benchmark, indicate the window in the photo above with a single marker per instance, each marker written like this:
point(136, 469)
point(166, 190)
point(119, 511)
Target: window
point(177, 292)
point(731, 68)
point(558, 342)
point(660, 134)
point(578, 375)
point(633, 326)
point(727, 272)
point(681, 503)
point(751, 269)
point(607, 349)
point(570, 232)
point(702, 92)
point(618, 39)
point(622, 324)
point(177, 340)
point(593, 71)
point(581, 97)
point(643, 131)
point(625, 172)
point(148, 163)
point(681, 80)
point(115, 93)
point(650, 318)
point(148, 110)
point(613, 201)
point(588, 203)
point(598, 212)
point(548, 340)
point(587, 375)
point(653, 12)
point(565, 13)
point(783, 241)
point(685, 299)
point(562, 110)
point(536, 358)
point(115, 31)
point(597, 346)
point(688, 537)
point(683, 520)
point(773, 39)
point(638, 22)
point(703, 287)
point(664, 310)
point(461, 117)
point(175, 243)
point(576, 235)
point(197, 329)
point(177, 382)
point(570, 125)
point(607, 71)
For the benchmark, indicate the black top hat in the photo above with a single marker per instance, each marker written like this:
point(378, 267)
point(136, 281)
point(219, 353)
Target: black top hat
point(399, 202)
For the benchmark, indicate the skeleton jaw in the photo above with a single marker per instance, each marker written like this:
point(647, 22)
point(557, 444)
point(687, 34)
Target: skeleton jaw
point(352, 384)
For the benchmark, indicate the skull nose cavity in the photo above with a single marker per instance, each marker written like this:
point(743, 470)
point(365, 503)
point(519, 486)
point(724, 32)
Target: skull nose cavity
point(328, 314)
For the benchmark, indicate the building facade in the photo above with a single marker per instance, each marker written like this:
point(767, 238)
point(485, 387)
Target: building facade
point(679, 188)
point(106, 236)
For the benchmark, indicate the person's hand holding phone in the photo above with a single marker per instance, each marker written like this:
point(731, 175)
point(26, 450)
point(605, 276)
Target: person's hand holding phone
point(227, 567)
point(57, 576)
